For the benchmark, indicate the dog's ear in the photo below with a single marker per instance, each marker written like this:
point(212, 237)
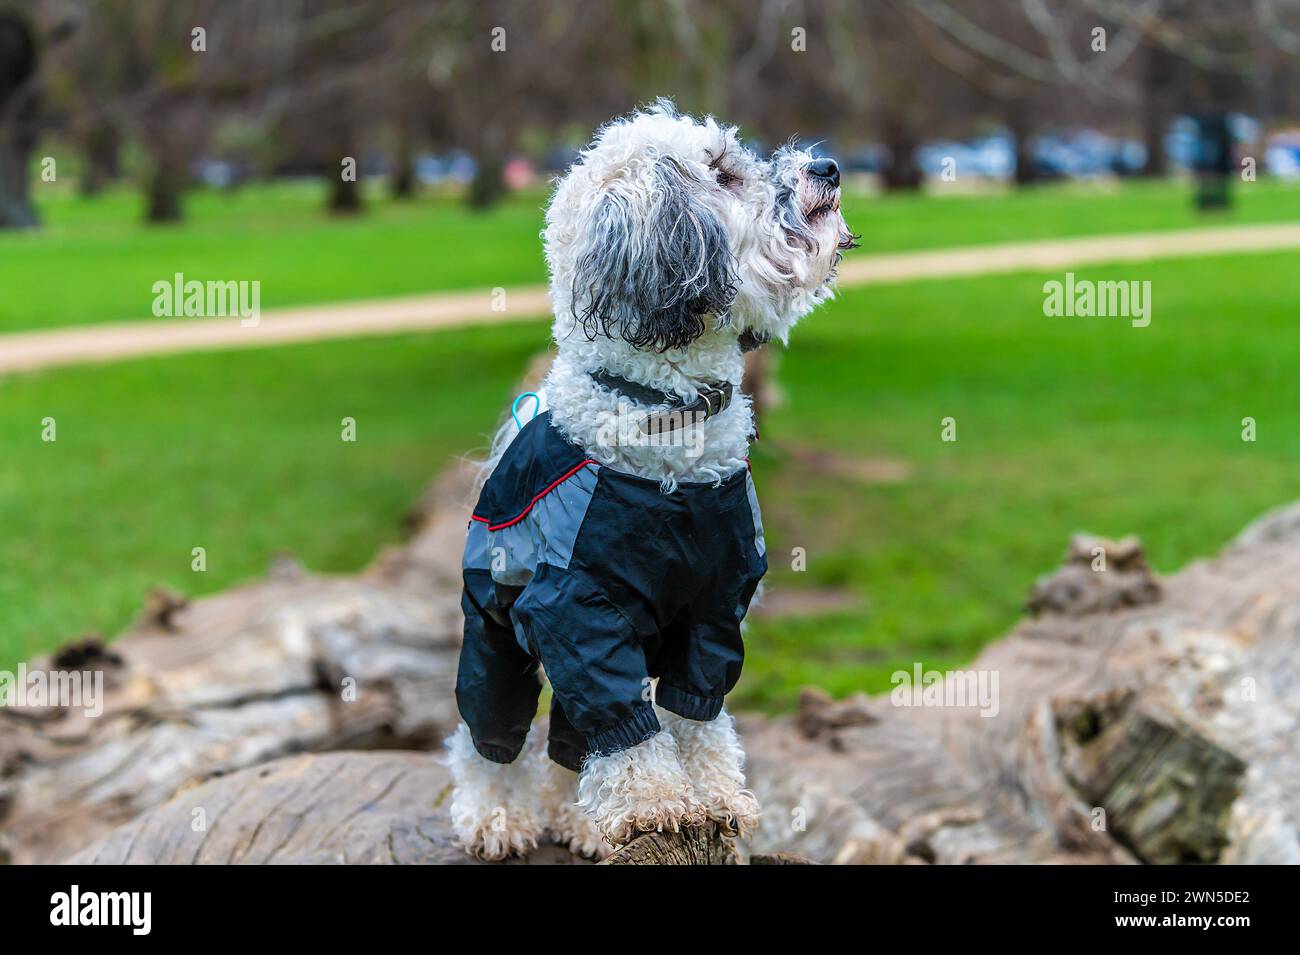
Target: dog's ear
point(656, 262)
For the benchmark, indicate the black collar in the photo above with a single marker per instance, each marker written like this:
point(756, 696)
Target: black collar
point(715, 397)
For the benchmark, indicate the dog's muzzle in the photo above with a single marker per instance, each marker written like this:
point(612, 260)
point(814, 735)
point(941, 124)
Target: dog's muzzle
point(715, 397)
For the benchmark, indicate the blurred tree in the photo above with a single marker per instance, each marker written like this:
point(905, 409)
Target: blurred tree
point(19, 101)
point(308, 84)
point(164, 76)
point(101, 150)
point(497, 68)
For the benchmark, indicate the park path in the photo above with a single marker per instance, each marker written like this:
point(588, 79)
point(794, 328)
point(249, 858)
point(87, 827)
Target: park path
point(89, 344)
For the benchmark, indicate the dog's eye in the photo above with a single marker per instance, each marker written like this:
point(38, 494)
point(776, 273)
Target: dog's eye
point(725, 178)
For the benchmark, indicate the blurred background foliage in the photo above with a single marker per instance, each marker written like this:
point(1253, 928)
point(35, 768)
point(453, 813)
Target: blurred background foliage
point(127, 155)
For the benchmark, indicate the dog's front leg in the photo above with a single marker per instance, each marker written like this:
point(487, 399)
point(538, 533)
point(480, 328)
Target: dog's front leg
point(496, 808)
point(641, 789)
point(713, 759)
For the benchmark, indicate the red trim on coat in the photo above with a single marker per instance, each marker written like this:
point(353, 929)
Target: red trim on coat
point(545, 491)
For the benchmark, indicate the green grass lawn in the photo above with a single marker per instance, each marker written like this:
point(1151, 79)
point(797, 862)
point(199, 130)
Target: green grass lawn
point(1062, 424)
point(240, 453)
point(95, 261)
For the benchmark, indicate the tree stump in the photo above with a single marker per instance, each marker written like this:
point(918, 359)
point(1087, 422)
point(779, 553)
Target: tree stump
point(693, 845)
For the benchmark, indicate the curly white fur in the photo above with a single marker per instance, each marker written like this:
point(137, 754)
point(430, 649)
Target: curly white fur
point(567, 823)
point(714, 761)
point(496, 808)
point(642, 789)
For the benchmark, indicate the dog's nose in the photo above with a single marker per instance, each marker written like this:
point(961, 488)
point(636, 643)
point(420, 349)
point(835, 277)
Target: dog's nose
point(825, 170)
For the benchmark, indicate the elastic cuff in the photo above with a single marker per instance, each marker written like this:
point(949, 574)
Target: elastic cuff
point(566, 754)
point(497, 754)
point(637, 728)
point(688, 705)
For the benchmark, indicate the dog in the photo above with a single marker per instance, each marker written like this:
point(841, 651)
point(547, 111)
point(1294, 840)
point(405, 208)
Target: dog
point(617, 542)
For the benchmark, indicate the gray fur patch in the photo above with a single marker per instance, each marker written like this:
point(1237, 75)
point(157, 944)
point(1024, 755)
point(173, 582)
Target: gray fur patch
point(651, 276)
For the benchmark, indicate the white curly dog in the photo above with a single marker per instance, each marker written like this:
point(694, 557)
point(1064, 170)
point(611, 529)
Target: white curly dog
point(617, 542)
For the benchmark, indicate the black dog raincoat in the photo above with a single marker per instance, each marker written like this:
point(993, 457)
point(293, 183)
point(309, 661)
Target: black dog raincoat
point(608, 582)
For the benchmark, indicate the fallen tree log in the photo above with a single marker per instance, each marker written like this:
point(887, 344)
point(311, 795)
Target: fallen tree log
point(1148, 724)
point(1131, 720)
point(332, 809)
point(295, 663)
point(348, 808)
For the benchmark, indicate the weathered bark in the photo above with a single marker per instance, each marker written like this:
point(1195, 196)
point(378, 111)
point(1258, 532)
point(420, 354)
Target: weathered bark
point(1157, 732)
point(696, 845)
point(1170, 789)
point(328, 809)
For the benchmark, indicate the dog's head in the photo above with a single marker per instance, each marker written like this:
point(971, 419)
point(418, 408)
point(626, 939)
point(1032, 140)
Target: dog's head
point(667, 227)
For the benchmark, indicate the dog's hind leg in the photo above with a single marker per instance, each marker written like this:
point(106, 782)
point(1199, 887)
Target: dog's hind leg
point(565, 819)
point(496, 808)
point(641, 789)
point(558, 762)
point(713, 759)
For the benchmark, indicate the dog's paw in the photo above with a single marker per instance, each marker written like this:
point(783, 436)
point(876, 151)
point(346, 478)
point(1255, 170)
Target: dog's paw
point(495, 809)
point(574, 829)
point(736, 812)
point(566, 821)
point(499, 834)
point(713, 759)
point(642, 789)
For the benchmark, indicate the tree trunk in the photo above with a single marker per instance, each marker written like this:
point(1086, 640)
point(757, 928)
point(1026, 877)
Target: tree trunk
point(165, 188)
point(902, 171)
point(16, 210)
point(1026, 169)
point(345, 196)
point(402, 182)
point(488, 184)
point(1156, 112)
point(100, 150)
point(18, 116)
